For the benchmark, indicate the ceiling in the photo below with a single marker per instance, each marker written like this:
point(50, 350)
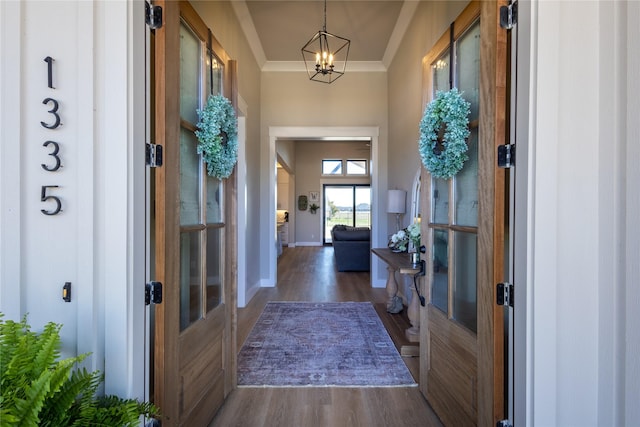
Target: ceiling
point(277, 30)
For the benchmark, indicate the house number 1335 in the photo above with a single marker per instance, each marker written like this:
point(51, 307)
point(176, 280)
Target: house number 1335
point(52, 123)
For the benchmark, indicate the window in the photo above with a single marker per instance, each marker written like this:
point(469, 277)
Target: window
point(332, 167)
point(356, 167)
point(348, 204)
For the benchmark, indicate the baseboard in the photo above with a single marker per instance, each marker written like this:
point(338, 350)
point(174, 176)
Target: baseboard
point(251, 292)
point(266, 283)
point(308, 244)
point(379, 283)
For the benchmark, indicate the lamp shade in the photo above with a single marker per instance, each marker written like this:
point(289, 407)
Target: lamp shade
point(396, 201)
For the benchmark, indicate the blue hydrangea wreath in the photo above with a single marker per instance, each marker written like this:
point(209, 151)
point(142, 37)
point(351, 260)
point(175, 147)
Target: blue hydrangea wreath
point(451, 110)
point(218, 136)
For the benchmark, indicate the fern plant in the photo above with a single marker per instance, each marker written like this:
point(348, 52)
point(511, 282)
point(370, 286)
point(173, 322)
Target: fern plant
point(39, 389)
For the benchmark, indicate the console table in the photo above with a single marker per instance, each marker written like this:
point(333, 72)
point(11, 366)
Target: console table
point(400, 262)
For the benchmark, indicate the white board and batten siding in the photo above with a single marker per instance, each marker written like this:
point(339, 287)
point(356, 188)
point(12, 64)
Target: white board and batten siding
point(96, 240)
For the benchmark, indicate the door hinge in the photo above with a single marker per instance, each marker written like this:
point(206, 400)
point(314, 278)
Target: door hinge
point(509, 15)
point(504, 293)
point(153, 16)
point(153, 293)
point(506, 156)
point(504, 423)
point(153, 155)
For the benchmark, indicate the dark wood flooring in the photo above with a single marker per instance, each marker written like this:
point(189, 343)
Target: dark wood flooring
point(309, 274)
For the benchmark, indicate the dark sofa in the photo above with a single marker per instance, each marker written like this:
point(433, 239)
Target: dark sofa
point(351, 247)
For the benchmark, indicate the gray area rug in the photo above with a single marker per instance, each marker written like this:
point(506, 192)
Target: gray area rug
point(296, 344)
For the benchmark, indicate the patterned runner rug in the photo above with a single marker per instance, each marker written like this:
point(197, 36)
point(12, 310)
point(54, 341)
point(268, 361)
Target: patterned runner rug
point(337, 344)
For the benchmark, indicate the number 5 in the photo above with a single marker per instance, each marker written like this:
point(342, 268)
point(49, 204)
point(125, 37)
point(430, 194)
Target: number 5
point(45, 198)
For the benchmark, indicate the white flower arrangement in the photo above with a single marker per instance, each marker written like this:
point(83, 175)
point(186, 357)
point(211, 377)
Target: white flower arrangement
point(218, 136)
point(399, 242)
point(449, 109)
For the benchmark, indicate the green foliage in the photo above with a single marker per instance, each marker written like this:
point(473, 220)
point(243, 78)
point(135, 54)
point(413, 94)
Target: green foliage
point(448, 113)
point(333, 209)
point(218, 136)
point(38, 389)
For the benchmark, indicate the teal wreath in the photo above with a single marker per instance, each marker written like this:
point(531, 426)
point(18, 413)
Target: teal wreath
point(218, 136)
point(448, 109)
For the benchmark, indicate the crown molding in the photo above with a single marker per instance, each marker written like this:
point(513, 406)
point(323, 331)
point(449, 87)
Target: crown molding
point(404, 19)
point(246, 23)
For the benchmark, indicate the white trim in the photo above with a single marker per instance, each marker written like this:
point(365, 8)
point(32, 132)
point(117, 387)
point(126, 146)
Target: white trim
point(246, 23)
point(242, 297)
point(404, 19)
point(308, 243)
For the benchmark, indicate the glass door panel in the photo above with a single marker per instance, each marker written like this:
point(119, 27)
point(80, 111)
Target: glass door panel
point(189, 179)
point(466, 186)
point(440, 284)
point(363, 206)
point(190, 279)
point(440, 201)
point(468, 68)
point(216, 71)
point(190, 75)
point(214, 268)
point(346, 204)
point(464, 290)
point(214, 200)
point(441, 72)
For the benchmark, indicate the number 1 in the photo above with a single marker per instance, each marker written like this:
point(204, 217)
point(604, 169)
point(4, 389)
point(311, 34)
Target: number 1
point(49, 60)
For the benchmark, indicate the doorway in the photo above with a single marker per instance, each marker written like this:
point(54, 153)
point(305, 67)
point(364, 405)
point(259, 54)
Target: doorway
point(347, 204)
point(268, 187)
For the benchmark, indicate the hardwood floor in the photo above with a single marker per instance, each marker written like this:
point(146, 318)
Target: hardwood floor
point(309, 274)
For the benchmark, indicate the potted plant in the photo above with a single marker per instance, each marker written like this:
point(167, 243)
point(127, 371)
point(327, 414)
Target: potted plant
point(39, 389)
point(313, 208)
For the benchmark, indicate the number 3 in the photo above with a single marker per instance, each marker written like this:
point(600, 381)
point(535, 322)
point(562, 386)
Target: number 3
point(53, 111)
point(54, 154)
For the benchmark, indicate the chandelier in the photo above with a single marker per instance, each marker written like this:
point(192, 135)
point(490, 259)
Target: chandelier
point(325, 55)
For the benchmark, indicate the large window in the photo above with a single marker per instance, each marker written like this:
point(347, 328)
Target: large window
point(346, 204)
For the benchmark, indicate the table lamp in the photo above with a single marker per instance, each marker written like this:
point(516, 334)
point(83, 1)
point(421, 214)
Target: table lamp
point(396, 201)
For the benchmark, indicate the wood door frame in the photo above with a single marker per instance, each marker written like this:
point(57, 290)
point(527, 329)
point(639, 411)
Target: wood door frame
point(167, 209)
point(491, 214)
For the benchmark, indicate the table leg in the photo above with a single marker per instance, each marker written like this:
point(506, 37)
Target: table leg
point(392, 287)
point(413, 333)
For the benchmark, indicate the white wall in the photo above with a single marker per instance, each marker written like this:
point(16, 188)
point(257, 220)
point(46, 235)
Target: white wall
point(582, 248)
point(97, 241)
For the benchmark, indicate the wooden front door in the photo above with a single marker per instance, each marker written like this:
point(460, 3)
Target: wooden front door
point(462, 366)
point(195, 230)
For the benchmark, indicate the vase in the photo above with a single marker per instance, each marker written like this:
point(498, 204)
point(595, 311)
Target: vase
point(415, 258)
